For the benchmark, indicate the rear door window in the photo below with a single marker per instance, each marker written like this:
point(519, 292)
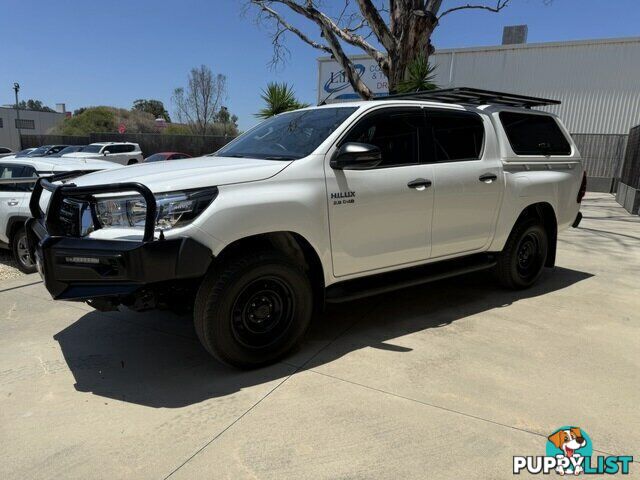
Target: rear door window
point(531, 134)
point(458, 136)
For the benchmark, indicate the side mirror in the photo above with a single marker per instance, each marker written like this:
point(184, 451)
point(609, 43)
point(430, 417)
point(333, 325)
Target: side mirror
point(356, 156)
point(106, 152)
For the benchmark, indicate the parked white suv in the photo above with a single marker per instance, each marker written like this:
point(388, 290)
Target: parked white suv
point(17, 178)
point(324, 204)
point(124, 153)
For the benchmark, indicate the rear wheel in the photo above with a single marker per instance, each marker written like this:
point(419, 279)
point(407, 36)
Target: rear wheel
point(20, 250)
point(253, 310)
point(522, 261)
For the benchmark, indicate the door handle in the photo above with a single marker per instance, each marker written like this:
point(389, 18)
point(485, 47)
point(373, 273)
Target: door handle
point(420, 183)
point(488, 177)
point(13, 203)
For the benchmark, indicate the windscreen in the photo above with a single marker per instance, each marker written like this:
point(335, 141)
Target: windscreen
point(288, 136)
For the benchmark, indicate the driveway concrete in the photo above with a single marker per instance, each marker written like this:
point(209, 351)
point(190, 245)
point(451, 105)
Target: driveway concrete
point(447, 380)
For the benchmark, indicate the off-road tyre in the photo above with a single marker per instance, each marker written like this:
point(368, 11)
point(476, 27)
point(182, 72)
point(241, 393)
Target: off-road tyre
point(20, 252)
point(253, 309)
point(522, 261)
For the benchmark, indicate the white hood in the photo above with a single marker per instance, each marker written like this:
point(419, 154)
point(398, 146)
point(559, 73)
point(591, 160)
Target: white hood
point(189, 173)
point(82, 155)
point(67, 164)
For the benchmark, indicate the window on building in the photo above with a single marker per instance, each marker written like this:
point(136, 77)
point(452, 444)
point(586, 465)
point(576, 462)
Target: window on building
point(25, 124)
point(457, 135)
point(396, 132)
point(1, 123)
point(531, 134)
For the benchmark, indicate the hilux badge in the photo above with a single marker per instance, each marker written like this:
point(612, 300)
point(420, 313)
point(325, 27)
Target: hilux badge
point(341, 198)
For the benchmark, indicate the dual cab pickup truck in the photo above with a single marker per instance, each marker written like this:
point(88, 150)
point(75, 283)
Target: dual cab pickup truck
point(323, 204)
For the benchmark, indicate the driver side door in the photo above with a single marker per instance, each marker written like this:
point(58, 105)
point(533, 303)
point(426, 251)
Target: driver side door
point(381, 217)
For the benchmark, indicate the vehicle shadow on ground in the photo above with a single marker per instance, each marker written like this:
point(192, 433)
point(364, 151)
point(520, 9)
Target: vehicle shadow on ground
point(154, 359)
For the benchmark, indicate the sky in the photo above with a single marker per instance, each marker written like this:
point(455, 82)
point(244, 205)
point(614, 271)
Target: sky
point(111, 52)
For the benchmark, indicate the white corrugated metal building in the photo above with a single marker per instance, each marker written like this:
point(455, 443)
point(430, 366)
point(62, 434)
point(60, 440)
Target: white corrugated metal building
point(598, 81)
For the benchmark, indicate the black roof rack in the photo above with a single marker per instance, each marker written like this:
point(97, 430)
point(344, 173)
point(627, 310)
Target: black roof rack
point(474, 96)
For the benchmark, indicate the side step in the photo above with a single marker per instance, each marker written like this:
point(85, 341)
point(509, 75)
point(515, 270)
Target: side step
point(408, 277)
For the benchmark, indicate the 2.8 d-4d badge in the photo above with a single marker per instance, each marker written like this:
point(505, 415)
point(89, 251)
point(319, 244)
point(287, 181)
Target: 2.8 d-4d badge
point(341, 198)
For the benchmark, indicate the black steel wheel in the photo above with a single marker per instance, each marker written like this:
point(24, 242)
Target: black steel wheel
point(530, 255)
point(253, 309)
point(522, 261)
point(263, 312)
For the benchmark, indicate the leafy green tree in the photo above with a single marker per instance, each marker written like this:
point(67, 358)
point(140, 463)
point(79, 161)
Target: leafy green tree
point(279, 98)
point(136, 121)
point(35, 105)
point(419, 76)
point(226, 123)
point(92, 119)
point(154, 107)
point(107, 119)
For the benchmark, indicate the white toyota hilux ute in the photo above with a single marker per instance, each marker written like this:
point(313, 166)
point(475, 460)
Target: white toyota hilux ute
point(324, 204)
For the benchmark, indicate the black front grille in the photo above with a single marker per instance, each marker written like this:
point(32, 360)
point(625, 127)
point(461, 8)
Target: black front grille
point(70, 217)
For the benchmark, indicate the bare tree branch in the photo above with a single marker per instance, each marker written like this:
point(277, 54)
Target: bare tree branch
point(377, 24)
point(201, 100)
point(326, 23)
point(499, 6)
point(288, 27)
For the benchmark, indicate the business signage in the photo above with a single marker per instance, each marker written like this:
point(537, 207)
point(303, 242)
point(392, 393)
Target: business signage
point(334, 86)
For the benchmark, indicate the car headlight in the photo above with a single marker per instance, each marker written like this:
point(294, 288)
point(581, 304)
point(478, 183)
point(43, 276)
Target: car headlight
point(174, 209)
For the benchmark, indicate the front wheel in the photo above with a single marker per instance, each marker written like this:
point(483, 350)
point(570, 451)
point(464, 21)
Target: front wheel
point(252, 310)
point(20, 250)
point(521, 262)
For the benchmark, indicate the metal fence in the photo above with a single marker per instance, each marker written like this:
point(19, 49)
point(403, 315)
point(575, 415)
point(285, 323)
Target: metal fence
point(628, 194)
point(150, 143)
point(603, 158)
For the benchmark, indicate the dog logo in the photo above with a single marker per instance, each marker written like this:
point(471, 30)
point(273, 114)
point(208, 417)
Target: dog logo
point(571, 442)
point(569, 451)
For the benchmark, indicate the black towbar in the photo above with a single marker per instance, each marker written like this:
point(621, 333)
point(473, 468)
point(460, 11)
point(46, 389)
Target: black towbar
point(60, 192)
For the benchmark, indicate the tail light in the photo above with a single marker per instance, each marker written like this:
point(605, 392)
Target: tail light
point(583, 187)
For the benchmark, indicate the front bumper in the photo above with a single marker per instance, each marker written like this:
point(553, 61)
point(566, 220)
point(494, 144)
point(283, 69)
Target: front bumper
point(81, 268)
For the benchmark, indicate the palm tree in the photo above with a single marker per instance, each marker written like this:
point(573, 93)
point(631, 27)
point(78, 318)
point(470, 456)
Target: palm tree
point(420, 75)
point(279, 97)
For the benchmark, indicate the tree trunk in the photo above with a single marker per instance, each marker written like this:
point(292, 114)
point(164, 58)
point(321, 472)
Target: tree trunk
point(413, 36)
